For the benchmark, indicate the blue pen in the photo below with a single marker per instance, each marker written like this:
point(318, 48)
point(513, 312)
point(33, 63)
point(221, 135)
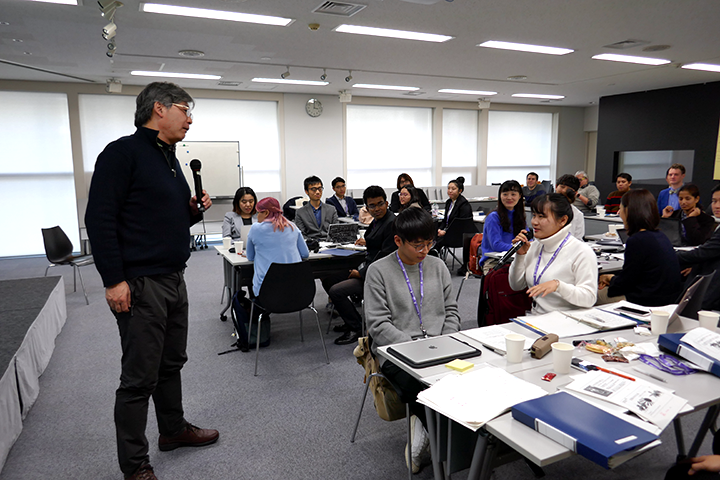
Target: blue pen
point(528, 326)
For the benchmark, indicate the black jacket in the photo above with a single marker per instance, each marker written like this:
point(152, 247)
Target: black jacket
point(379, 240)
point(138, 215)
point(462, 209)
point(704, 259)
point(697, 229)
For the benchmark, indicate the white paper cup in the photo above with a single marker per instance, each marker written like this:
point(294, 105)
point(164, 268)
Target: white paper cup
point(708, 319)
point(361, 233)
point(600, 211)
point(612, 228)
point(227, 243)
point(562, 356)
point(659, 321)
point(239, 247)
point(514, 345)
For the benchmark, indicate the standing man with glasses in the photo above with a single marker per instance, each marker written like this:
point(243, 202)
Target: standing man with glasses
point(315, 217)
point(379, 242)
point(138, 218)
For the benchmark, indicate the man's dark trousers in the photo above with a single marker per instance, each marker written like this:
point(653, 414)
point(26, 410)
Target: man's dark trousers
point(153, 336)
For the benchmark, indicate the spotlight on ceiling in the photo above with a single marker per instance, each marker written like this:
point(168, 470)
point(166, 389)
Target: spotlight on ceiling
point(109, 31)
point(108, 7)
point(286, 74)
point(323, 76)
point(111, 49)
point(349, 77)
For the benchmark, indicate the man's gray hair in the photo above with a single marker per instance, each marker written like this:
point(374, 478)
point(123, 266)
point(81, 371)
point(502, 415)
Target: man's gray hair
point(165, 93)
point(582, 174)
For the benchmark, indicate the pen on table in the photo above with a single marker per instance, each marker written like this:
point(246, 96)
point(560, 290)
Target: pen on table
point(495, 350)
point(602, 369)
point(651, 375)
point(528, 326)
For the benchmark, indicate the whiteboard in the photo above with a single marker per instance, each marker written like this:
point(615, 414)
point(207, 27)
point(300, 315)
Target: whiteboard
point(220, 170)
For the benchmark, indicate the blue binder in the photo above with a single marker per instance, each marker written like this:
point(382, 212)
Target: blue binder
point(583, 428)
point(673, 342)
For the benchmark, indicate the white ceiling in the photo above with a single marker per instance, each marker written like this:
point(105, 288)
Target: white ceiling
point(65, 43)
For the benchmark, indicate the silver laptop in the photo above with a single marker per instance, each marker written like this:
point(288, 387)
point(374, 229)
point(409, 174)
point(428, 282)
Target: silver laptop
point(343, 233)
point(427, 352)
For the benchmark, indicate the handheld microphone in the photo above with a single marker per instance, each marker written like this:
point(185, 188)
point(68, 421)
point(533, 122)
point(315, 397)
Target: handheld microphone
point(195, 166)
point(506, 258)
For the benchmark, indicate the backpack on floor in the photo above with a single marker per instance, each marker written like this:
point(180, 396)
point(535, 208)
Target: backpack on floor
point(240, 313)
point(475, 254)
point(497, 302)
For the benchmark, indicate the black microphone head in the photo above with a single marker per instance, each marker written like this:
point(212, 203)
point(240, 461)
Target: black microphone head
point(530, 234)
point(195, 165)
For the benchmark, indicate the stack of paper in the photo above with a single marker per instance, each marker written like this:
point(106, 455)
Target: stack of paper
point(493, 337)
point(475, 398)
point(572, 323)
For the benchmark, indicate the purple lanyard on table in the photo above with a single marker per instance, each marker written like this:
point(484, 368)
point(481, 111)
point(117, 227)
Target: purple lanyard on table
point(536, 279)
point(418, 308)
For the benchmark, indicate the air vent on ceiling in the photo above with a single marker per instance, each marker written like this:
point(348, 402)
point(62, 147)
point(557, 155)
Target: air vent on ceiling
point(656, 48)
point(414, 94)
point(625, 44)
point(228, 84)
point(341, 9)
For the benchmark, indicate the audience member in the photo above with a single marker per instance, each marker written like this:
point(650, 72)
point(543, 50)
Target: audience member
point(675, 177)
point(315, 217)
point(559, 271)
point(408, 198)
point(651, 273)
point(503, 223)
point(379, 241)
point(344, 205)
point(533, 189)
point(588, 196)
point(706, 467)
point(568, 185)
point(409, 295)
point(705, 259)
point(623, 182)
point(696, 225)
point(274, 239)
point(456, 206)
point(243, 213)
point(402, 180)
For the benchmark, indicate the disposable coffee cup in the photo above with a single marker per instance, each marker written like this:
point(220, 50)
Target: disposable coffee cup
point(514, 345)
point(612, 228)
point(239, 247)
point(562, 356)
point(227, 243)
point(659, 321)
point(600, 211)
point(361, 233)
point(708, 319)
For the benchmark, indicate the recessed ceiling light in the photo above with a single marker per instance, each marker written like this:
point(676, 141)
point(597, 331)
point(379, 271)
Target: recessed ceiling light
point(289, 81)
point(4, 23)
point(523, 47)
point(385, 87)
point(18, 40)
point(194, 76)
point(191, 53)
point(706, 67)
point(538, 95)
point(613, 57)
point(27, 53)
point(62, 2)
point(214, 14)
point(386, 32)
point(466, 92)
point(517, 77)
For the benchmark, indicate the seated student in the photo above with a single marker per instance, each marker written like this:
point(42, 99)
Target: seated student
point(568, 186)
point(344, 205)
point(588, 196)
point(315, 217)
point(408, 198)
point(705, 467)
point(274, 239)
point(651, 274)
point(243, 213)
point(675, 177)
point(379, 242)
point(456, 206)
point(503, 223)
point(402, 180)
point(697, 226)
point(706, 258)
point(623, 182)
point(533, 189)
point(559, 271)
point(409, 295)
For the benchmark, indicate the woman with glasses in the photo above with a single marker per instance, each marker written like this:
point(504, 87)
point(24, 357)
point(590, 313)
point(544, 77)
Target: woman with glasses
point(504, 223)
point(408, 198)
point(243, 213)
point(403, 180)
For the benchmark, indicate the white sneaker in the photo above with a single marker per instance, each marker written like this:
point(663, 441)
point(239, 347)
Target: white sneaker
point(419, 441)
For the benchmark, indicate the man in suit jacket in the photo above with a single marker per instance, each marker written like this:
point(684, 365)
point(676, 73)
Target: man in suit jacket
point(314, 218)
point(345, 206)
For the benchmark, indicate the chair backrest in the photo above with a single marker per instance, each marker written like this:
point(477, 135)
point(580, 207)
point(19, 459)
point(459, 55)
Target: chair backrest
point(454, 235)
point(547, 186)
point(672, 229)
point(58, 247)
point(290, 212)
point(287, 287)
point(694, 305)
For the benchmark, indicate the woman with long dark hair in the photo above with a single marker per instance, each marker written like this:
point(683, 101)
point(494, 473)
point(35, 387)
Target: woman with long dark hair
point(408, 198)
point(504, 223)
point(243, 213)
point(697, 226)
point(402, 180)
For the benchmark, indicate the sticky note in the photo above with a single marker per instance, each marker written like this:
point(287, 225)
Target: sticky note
point(460, 365)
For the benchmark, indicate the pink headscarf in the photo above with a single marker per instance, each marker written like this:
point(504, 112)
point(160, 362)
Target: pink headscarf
point(271, 206)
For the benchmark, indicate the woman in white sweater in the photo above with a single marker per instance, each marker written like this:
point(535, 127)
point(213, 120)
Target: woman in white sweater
point(559, 271)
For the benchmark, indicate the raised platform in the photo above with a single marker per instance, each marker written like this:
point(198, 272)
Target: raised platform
point(32, 314)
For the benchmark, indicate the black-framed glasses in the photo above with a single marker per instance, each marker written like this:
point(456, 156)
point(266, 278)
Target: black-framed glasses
point(185, 108)
point(315, 189)
point(373, 206)
point(667, 364)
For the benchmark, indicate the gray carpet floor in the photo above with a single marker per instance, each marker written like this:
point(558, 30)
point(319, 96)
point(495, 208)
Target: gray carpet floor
point(292, 421)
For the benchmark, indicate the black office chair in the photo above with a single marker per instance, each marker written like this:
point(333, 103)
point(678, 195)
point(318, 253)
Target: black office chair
point(288, 211)
point(286, 288)
point(453, 237)
point(694, 305)
point(672, 228)
point(59, 249)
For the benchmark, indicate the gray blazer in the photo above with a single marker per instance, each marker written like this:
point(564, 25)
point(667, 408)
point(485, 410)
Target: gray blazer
point(305, 220)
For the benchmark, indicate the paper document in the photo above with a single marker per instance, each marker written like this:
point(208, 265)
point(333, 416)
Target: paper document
point(600, 319)
point(559, 324)
point(646, 400)
point(704, 340)
point(474, 398)
point(493, 337)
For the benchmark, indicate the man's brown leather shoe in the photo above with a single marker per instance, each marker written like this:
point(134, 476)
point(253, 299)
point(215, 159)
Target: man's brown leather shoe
point(192, 436)
point(143, 473)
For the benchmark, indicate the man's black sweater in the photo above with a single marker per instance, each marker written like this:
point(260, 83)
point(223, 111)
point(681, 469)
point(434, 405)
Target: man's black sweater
point(138, 214)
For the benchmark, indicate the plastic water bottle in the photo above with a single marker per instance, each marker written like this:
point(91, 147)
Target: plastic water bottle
point(434, 210)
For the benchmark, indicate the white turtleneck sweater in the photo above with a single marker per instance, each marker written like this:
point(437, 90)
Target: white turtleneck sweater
point(575, 267)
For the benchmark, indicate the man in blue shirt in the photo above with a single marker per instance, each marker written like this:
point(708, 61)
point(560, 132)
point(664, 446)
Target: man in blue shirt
point(314, 218)
point(675, 177)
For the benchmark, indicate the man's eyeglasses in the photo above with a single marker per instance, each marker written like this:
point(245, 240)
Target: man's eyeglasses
point(315, 189)
point(185, 108)
point(422, 246)
point(374, 206)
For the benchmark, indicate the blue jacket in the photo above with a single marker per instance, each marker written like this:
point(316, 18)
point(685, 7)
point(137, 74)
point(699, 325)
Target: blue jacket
point(664, 199)
point(351, 206)
point(266, 246)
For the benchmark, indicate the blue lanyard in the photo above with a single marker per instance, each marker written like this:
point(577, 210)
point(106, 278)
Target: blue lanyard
point(418, 308)
point(536, 279)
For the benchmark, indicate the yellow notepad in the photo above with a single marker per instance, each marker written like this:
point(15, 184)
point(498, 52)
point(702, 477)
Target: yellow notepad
point(460, 365)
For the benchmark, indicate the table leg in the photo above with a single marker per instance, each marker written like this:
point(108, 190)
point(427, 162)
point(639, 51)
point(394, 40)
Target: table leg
point(478, 455)
point(708, 421)
point(230, 282)
point(433, 434)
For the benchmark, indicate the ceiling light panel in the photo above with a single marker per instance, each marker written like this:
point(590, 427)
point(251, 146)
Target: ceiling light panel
point(385, 87)
point(194, 76)
point(214, 14)
point(613, 57)
point(288, 81)
point(523, 47)
point(706, 67)
point(386, 32)
point(538, 95)
point(61, 2)
point(466, 92)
